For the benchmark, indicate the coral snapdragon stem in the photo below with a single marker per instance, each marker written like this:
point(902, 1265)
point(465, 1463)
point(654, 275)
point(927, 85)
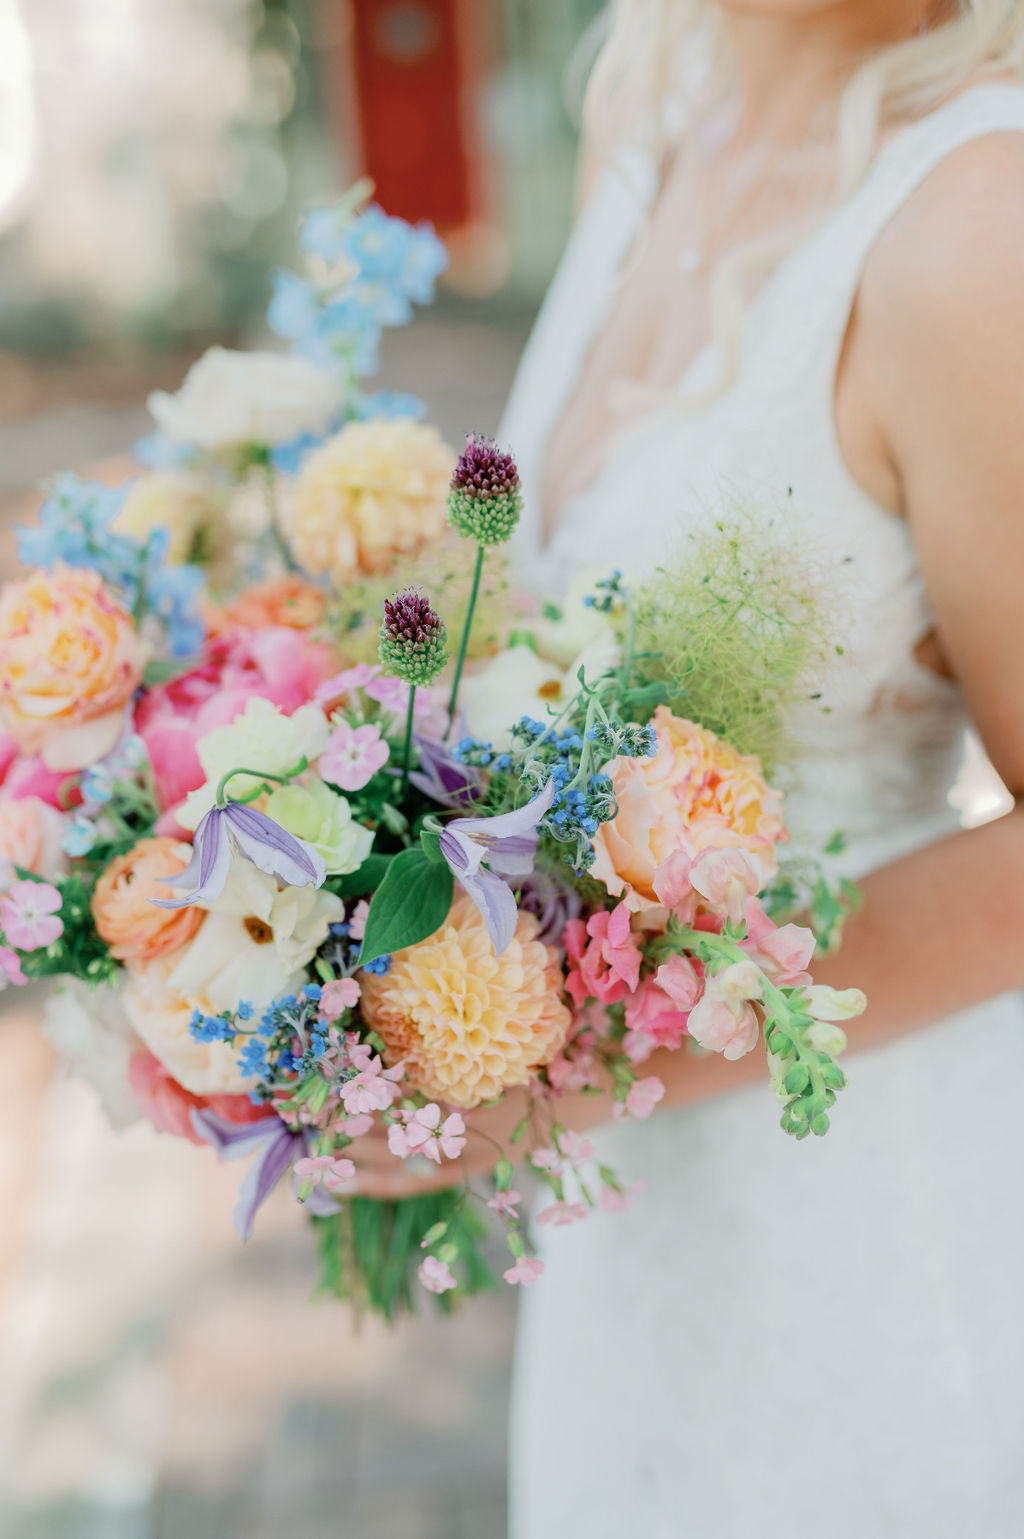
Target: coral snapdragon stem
point(407, 746)
point(464, 641)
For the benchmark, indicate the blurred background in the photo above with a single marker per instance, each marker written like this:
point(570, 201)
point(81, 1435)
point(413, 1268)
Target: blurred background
point(157, 1381)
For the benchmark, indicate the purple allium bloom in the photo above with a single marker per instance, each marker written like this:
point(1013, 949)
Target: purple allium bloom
point(413, 642)
point(485, 499)
point(508, 843)
point(275, 1149)
point(442, 777)
point(238, 827)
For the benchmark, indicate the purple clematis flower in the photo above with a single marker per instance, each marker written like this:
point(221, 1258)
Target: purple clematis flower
point(238, 827)
point(442, 777)
point(275, 1149)
point(508, 843)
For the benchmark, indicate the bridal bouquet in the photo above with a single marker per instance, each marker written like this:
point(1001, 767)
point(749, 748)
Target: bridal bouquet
point(308, 863)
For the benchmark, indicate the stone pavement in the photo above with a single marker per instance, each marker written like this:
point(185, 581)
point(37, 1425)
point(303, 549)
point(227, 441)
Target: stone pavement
point(157, 1380)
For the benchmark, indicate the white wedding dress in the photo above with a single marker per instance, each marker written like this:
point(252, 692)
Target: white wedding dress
point(780, 1338)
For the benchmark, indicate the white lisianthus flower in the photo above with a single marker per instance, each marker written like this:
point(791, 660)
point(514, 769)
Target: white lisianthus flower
point(253, 945)
point(262, 738)
point(520, 682)
point(324, 820)
point(230, 399)
point(93, 1035)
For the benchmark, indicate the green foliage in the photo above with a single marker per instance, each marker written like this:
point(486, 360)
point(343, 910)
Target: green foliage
point(79, 951)
point(370, 1251)
point(358, 884)
point(734, 629)
point(411, 903)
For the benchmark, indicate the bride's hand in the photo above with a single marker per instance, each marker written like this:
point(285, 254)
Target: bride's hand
point(489, 1129)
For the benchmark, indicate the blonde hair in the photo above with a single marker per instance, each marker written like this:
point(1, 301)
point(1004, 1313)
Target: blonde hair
point(664, 61)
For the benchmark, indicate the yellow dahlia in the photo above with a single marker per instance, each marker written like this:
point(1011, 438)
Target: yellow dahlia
point(468, 1024)
point(373, 492)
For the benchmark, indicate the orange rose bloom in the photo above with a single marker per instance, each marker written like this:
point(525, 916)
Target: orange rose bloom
point(70, 659)
point(696, 788)
point(126, 917)
point(287, 601)
point(468, 1024)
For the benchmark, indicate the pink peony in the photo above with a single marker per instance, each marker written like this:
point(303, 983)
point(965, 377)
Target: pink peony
point(278, 664)
point(29, 914)
point(28, 776)
point(169, 1105)
point(436, 1276)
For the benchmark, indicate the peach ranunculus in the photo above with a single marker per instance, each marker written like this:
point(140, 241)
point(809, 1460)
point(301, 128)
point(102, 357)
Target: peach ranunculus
point(279, 664)
point(70, 660)
point(31, 832)
point(288, 601)
point(696, 792)
point(169, 1105)
point(122, 902)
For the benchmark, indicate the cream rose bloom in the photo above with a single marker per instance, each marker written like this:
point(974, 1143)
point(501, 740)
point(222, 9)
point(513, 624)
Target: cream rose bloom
point(262, 738)
point(230, 398)
point(253, 945)
point(324, 820)
point(181, 504)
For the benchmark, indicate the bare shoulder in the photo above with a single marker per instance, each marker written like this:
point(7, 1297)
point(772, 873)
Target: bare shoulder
point(951, 262)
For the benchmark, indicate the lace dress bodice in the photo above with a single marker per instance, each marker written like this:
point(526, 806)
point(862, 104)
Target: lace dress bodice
point(881, 748)
point(782, 1338)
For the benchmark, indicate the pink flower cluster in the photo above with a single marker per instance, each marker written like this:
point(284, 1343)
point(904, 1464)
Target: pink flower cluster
point(424, 1132)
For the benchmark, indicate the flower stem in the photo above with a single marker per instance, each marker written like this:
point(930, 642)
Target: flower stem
point(222, 798)
point(407, 746)
point(270, 493)
point(464, 640)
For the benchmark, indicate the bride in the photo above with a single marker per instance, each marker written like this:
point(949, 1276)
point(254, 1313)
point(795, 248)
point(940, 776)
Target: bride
point(799, 273)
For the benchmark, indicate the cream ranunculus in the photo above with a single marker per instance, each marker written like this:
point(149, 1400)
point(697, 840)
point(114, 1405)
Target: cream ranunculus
point(324, 820)
point(262, 738)
point(253, 945)
point(230, 399)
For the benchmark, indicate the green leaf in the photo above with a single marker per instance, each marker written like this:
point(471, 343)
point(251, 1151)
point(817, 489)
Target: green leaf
point(430, 842)
point(159, 670)
point(411, 903)
point(356, 884)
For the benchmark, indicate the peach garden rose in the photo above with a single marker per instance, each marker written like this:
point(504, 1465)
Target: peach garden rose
point(70, 660)
point(696, 792)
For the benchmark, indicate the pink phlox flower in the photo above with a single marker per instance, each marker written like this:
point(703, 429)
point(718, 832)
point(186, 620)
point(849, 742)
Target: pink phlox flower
point(546, 1159)
point(356, 1127)
point(672, 884)
point(575, 1068)
point(526, 1271)
point(725, 879)
point(574, 1147)
point(784, 952)
point(353, 755)
point(325, 1170)
point(372, 1088)
point(339, 995)
point(436, 1276)
point(562, 1213)
point(423, 1132)
point(29, 915)
point(357, 920)
point(10, 968)
point(614, 1200)
point(504, 1203)
point(643, 1097)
